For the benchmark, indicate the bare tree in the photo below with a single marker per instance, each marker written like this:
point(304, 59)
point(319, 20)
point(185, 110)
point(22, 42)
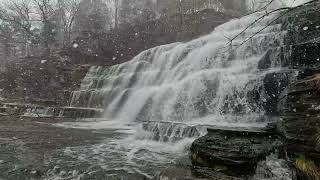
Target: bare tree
point(6, 38)
point(43, 23)
point(116, 14)
point(15, 15)
point(68, 10)
point(46, 11)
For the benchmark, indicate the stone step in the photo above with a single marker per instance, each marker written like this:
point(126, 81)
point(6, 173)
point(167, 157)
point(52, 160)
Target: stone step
point(66, 112)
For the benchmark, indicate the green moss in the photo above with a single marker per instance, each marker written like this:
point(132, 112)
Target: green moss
point(308, 167)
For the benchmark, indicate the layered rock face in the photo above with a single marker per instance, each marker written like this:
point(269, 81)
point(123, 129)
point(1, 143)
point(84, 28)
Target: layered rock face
point(298, 104)
point(301, 123)
point(292, 96)
point(235, 151)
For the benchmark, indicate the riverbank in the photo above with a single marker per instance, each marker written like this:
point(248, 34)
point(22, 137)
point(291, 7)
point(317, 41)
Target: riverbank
point(28, 143)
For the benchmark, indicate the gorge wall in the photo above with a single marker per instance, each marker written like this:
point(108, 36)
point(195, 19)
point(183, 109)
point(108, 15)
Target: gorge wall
point(293, 98)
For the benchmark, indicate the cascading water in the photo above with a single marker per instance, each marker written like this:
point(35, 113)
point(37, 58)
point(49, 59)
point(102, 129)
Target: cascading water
point(167, 95)
point(212, 80)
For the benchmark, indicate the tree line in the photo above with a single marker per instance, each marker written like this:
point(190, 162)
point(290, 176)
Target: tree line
point(40, 27)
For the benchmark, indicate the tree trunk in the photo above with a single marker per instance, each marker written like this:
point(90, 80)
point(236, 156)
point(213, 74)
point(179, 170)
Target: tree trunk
point(116, 21)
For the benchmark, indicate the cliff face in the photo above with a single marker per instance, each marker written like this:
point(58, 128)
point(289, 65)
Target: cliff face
point(292, 97)
point(301, 123)
point(299, 102)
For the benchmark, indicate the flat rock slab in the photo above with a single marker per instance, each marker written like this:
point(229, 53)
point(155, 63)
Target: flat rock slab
point(234, 151)
point(239, 131)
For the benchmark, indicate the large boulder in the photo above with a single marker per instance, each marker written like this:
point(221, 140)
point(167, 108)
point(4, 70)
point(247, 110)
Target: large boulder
point(234, 151)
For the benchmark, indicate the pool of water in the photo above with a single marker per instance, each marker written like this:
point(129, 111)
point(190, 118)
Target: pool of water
point(122, 156)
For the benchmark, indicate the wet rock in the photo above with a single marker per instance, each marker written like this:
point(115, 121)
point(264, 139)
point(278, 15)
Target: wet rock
point(274, 168)
point(299, 103)
point(234, 151)
point(305, 56)
point(300, 109)
point(66, 112)
point(303, 23)
point(274, 85)
point(36, 173)
point(14, 109)
point(56, 170)
point(63, 173)
point(3, 110)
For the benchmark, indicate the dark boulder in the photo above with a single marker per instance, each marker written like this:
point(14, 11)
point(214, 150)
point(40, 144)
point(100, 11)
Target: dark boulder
point(305, 56)
point(234, 151)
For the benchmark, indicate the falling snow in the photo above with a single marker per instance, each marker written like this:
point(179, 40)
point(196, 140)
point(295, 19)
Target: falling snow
point(75, 45)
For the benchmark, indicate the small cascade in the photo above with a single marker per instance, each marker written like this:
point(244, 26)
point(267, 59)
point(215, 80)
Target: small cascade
point(171, 132)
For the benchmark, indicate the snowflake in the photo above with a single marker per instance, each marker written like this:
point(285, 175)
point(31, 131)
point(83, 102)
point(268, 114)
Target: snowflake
point(75, 45)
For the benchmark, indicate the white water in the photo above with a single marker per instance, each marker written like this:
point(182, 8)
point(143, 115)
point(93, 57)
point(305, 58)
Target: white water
point(164, 97)
point(205, 81)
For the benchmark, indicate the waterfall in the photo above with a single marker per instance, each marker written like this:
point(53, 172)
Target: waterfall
point(217, 79)
point(253, 5)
